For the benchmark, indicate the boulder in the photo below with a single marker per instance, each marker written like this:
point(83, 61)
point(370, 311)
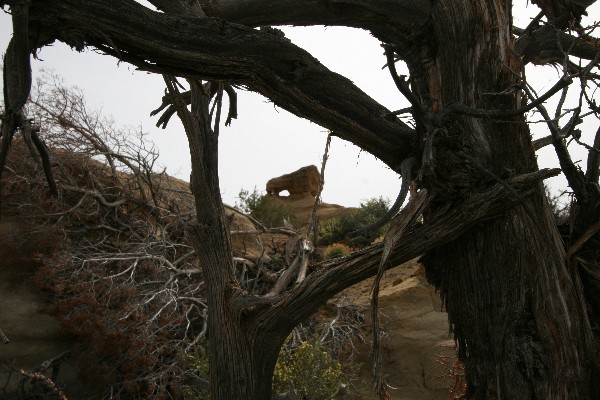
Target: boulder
point(305, 180)
point(303, 187)
point(416, 335)
point(245, 239)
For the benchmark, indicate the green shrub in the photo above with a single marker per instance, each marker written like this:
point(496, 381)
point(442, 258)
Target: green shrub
point(337, 250)
point(336, 229)
point(334, 252)
point(197, 361)
point(310, 369)
point(248, 201)
point(264, 208)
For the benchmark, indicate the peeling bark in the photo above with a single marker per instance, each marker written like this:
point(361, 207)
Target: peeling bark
point(546, 45)
point(514, 305)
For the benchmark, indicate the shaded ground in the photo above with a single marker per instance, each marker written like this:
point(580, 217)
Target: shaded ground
point(416, 335)
point(34, 335)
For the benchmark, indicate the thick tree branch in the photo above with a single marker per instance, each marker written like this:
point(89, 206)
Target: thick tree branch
point(178, 7)
point(352, 13)
point(334, 276)
point(17, 68)
point(216, 50)
point(545, 45)
point(16, 77)
point(563, 11)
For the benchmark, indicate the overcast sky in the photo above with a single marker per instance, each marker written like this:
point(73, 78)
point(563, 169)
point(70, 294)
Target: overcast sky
point(265, 141)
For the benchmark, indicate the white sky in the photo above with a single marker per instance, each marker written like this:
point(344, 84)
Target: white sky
point(265, 141)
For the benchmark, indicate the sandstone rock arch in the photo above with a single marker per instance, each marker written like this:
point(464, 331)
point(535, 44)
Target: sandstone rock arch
point(305, 180)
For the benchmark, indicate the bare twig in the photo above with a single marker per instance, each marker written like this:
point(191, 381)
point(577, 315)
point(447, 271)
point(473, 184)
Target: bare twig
point(47, 382)
point(406, 172)
point(593, 160)
point(398, 226)
point(417, 108)
point(4, 338)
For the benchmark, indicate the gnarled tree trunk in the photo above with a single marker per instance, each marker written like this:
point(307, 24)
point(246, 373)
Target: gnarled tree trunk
point(514, 304)
point(242, 352)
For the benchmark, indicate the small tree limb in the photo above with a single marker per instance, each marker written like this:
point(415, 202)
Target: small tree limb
point(593, 161)
point(397, 228)
point(406, 173)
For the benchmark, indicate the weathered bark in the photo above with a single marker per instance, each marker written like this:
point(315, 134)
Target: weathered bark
point(16, 78)
point(514, 305)
point(353, 13)
point(242, 360)
point(217, 50)
point(246, 332)
point(545, 45)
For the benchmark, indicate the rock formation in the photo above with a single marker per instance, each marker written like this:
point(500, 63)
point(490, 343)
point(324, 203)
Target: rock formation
point(416, 335)
point(303, 186)
point(305, 180)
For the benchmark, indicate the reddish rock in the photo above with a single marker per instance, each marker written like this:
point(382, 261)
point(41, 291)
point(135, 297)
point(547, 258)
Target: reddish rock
point(305, 180)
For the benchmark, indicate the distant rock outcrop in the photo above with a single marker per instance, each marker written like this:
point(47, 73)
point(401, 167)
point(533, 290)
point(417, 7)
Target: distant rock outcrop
point(303, 186)
point(305, 180)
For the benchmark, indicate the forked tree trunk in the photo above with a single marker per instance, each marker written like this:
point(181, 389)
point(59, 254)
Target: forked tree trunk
point(242, 358)
point(242, 352)
point(515, 306)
